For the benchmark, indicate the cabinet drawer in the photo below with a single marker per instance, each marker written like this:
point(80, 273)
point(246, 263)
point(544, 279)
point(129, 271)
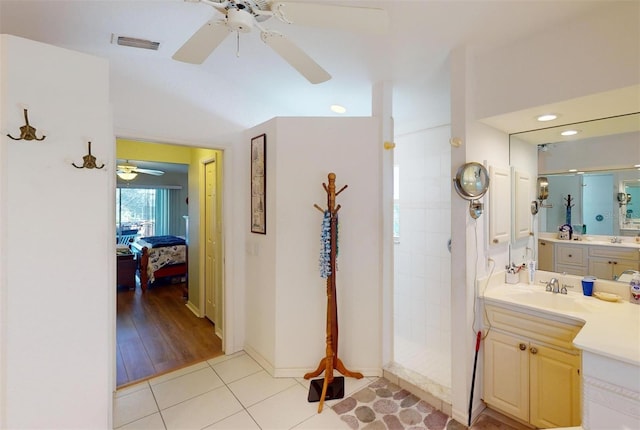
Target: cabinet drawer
point(536, 328)
point(572, 270)
point(576, 255)
point(615, 253)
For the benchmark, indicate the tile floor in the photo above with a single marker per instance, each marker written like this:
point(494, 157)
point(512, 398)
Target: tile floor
point(227, 392)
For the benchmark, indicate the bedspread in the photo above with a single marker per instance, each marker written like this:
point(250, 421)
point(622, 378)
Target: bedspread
point(161, 256)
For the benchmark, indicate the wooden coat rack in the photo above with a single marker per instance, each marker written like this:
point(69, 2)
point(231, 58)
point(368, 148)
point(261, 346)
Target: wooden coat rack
point(331, 360)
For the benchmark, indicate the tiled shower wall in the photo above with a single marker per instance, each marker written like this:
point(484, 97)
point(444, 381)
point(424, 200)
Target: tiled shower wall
point(422, 276)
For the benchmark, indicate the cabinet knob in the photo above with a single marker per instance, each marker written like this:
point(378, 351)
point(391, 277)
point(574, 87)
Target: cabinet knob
point(615, 262)
point(522, 346)
point(534, 350)
point(570, 255)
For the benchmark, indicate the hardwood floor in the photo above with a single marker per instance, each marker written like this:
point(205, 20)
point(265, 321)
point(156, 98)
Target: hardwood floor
point(157, 333)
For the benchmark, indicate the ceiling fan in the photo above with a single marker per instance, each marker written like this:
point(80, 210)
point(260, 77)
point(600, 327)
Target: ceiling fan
point(129, 171)
point(242, 16)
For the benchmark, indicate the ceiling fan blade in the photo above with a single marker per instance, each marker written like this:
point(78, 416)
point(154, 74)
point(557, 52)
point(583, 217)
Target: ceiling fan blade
point(203, 42)
point(359, 19)
point(296, 57)
point(149, 172)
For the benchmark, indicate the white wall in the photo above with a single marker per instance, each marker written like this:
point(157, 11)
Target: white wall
point(588, 54)
point(57, 247)
point(286, 297)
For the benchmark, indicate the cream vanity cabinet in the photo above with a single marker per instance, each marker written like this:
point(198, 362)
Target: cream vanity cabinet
point(531, 369)
point(571, 259)
point(607, 262)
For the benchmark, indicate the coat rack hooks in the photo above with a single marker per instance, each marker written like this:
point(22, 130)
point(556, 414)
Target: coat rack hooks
point(88, 161)
point(27, 132)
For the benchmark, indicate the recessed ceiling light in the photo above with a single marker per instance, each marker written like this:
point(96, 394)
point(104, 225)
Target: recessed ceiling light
point(338, 109)
point(547, 117)
point(569, 133)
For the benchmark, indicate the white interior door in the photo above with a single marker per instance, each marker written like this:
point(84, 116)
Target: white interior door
point(211, 303)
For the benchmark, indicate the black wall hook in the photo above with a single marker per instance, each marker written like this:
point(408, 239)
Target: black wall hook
point(89, 161)
point(26, 131)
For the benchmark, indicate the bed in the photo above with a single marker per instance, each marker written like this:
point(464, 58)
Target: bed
point(160, 257)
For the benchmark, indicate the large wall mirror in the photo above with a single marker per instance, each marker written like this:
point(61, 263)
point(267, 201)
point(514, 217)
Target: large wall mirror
point(593, 167)
point(597, 167)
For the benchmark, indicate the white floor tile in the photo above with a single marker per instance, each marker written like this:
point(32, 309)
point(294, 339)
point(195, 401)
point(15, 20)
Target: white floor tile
point(222, 358)
point(133, 406)
point(185, 387)
point(180, 372)
point(240, 421)
point(324, 421)
point(285, 410)
point(152, 422)
point(236, 368)
point(132, 389)
point(259, 386)
point(202, 411)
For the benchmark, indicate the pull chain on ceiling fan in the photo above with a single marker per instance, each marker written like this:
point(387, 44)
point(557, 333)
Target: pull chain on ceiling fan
point(242, 16)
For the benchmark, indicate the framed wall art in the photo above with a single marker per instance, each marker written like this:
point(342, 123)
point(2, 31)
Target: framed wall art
point(259, 184)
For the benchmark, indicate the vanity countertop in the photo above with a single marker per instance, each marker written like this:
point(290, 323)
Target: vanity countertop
point(627, 242)
point(611, 329)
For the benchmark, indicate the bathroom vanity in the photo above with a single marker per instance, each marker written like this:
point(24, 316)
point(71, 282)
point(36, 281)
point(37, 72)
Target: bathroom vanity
point(532, 370)
point(561, 360)
point(599, 258)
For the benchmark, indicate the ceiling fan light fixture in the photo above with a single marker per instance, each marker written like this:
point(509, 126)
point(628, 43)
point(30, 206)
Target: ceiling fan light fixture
point(239, 20)
point(127, 176)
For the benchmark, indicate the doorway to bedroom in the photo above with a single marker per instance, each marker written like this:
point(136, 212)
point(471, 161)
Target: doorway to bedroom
point(166, 326)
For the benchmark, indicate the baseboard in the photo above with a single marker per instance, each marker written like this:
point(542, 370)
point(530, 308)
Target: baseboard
point(297, 372)
point(193, 309)
point(260, 359)
point(462, 417)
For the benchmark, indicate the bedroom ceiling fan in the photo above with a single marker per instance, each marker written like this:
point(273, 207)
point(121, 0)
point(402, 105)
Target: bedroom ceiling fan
point(128, 171)
point(241, 16)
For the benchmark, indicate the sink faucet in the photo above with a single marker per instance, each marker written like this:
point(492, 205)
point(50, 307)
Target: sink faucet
point(553, 285)
point(616, 239)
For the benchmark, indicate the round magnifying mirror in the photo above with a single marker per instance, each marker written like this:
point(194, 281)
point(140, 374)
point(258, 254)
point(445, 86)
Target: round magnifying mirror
point(472, 181)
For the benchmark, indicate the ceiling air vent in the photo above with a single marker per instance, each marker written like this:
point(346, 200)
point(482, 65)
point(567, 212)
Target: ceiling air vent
point(135, 43)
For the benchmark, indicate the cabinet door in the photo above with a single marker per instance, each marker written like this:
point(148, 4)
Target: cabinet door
point(555, 387)
point(522, 204)
point(506, 374)
point(622, 265)
point(545, 255)
point(500, 205)
point(601, 268)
